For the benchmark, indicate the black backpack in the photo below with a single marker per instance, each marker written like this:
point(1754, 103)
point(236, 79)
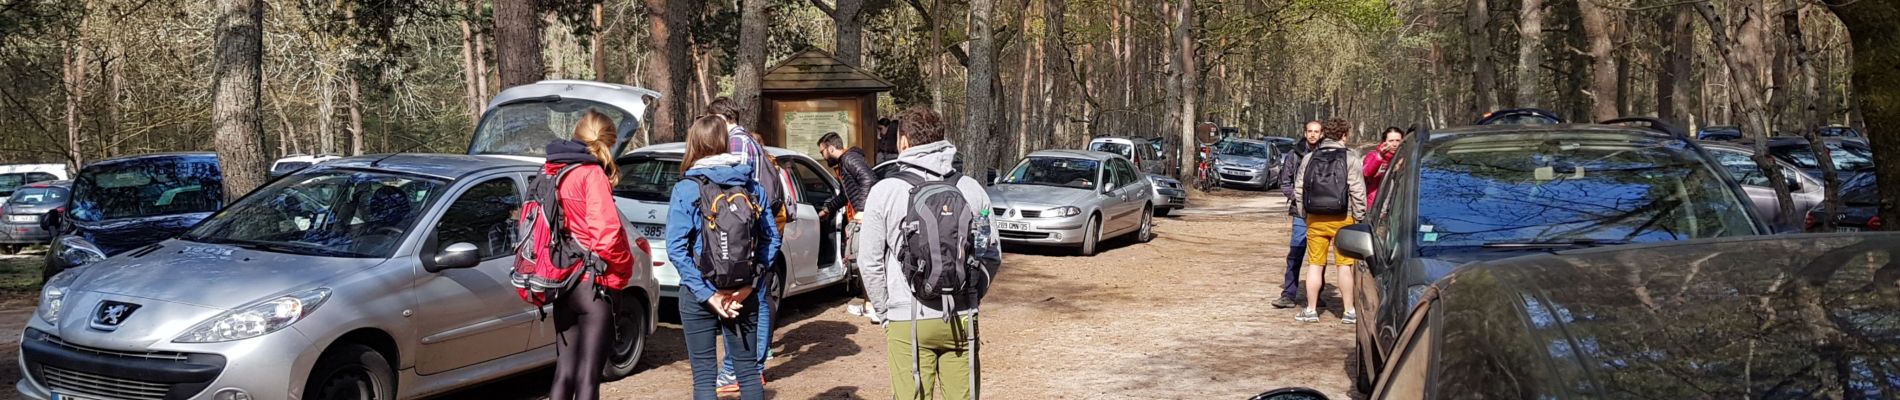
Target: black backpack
point(729, 239)
point(1325, 191)
point(938, 236)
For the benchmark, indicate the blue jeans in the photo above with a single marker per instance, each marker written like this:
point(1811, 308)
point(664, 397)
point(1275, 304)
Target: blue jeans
point(764, 332)
point(702, 328)
point(1295, 256)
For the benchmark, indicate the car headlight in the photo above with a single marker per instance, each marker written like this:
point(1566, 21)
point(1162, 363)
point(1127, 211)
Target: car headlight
point(256, 319)
point(53, 295)
point(77, 251)
point(1069, 211)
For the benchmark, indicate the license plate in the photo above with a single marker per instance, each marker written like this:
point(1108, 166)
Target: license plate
point(1847, 229)
point(1011, 226)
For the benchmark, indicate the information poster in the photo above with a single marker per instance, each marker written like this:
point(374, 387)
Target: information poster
point(803, 128)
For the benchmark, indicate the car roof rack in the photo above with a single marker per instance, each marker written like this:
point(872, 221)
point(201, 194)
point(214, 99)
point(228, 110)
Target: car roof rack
point(1493, 118)
point(1651, 124)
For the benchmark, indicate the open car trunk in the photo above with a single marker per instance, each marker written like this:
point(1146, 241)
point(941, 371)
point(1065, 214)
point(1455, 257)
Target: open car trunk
point(522, 120)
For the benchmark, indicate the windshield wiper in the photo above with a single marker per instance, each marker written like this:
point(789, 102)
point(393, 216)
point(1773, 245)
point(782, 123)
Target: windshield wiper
point(285, 248)
point(1549, 243)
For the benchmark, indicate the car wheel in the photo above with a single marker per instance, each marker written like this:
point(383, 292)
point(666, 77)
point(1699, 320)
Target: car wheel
point(1361, 373)
point(1147, 232)
point(351, 372)
point(6, 249)
point(1092, 234)
point(776, 295)
point(629, 340)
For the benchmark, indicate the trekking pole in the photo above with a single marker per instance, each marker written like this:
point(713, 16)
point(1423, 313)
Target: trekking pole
point(976, 364)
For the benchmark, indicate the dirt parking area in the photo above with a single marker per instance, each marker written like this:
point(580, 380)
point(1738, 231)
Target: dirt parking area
point(1185, 316)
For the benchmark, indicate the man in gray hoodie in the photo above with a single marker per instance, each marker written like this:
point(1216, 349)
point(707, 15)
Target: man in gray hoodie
point(943, 352)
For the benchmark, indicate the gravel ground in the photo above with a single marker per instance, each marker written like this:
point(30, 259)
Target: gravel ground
point(1182, 317)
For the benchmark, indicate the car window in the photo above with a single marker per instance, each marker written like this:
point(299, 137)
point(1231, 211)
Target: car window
point(337, 213)
point(1741, 166)
point(648, 179)
point(1396, 189)
point(526, 127)
point(1846, 158)
point(1239, 148)
point(483, 216)
point(1478, 193)
point(38, 196)
point(9, 182)
point(1408, 375)
point(147, 187)
point(1113, 147)
point(1056, 171)
point(812, 186)
point(288, 167)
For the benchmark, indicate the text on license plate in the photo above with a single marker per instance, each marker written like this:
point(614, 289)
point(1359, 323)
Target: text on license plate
point(1011, 226)
point(1847, 229)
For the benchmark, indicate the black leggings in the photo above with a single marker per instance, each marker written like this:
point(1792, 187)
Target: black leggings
point(582, 323)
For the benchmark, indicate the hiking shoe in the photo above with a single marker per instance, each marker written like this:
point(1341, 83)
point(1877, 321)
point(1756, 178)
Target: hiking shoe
point(1307, 316)
point(1349, 318)
point(726, 378)
point(1285, 302)
point(875, 317)
point(854, 309)
point(733, 387)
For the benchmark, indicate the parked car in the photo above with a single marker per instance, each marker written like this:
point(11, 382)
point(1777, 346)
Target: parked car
point(1282, 144)
point(1841, 131)
point(1520, 116)
point(127, 203)
point(1247, 163)
point(377, 277)
point(1738, 160)
point(1169, 195)
point(1860, 207)
point(292, 164)
point(1490, 192)
point(1719, 133)
point(1777, 317)
point(1136, 150)
point(1851, 156)
point(1072, 198)
point(811, 252)
point(16, 175)
point(23, 216)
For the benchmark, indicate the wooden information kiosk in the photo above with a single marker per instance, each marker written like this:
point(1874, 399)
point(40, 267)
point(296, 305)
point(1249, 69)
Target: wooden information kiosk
point(813, 93)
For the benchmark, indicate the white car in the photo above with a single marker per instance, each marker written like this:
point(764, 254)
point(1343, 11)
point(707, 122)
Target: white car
point(17, 175)
point(292, 164)
point(810, 254)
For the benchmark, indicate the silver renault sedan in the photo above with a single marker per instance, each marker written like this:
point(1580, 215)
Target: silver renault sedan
point(372, 277)
point(1072, 198)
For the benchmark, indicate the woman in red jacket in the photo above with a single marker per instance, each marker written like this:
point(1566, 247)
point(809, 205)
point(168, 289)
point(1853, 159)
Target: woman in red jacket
point(582, 317)
point(1381, 155)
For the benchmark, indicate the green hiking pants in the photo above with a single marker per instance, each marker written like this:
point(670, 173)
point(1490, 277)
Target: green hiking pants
point(942, 354)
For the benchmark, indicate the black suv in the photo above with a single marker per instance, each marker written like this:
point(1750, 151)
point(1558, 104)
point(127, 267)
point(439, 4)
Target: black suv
point(1770, 317)
point(126, 203)
point(1490, 192)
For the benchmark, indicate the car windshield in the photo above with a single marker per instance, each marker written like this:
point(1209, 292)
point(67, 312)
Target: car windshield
point(1055, 171)
point(648, 179)
point(147, 187)
point(1571, 191)
point(337, 213)
point(1112, 147)
point(38, 196)
point(1846, 158)
point(1239, 148)
point(525, 128)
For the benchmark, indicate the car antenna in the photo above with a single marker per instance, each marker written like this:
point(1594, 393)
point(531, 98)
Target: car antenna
point(413, 147)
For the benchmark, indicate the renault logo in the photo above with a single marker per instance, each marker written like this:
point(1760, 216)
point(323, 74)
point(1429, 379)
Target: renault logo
point(110, 314)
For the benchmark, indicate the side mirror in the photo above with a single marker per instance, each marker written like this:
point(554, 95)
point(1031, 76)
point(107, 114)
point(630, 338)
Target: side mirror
point(459, 255)
point(1355, 241)
point(992, 176)
point(1794, 184)
point(1291, 393)
point(53, 221)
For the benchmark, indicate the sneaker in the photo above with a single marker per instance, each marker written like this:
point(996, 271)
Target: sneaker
point(733, 387)
point(1307, 316)
point(875, 317)
point(854, 309)
point(1349, 318)
point(1285, 302)
point(725, 379)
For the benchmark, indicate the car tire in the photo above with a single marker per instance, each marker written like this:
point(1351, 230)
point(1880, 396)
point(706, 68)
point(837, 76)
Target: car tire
point(629, 339)
point(351, 372)
point(1091, 236)
point(7, 249)
point(1147, 231)
point(776, 294)
point(1361, 373)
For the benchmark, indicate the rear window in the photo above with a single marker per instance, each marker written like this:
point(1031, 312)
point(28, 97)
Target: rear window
point(524, 128)
point(1860, 190)
point(1846, 158)
point(1485, 192)
point(1124, 150)
point(648, 179)
point(38, 196)
point(148, 187)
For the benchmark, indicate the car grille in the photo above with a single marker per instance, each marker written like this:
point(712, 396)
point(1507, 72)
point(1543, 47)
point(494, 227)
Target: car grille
point(1233, 177)
point(653, 232)
point(99, 386)
point(154, 355)
point(999, 211)
point(1030, 213)
point(1022, 235)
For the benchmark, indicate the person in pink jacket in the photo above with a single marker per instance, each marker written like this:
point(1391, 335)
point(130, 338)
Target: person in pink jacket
point(1375, 162)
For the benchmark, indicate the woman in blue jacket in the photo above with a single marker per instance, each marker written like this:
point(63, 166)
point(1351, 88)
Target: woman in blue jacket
point(705, 311)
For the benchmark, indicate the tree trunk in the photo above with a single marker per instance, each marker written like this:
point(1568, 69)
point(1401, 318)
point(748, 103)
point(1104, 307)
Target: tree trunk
point(1530, 54)
point(1596, 31)
point(518, 42)
point(469, 73)
point(597, 45)
point(1748, 90)
point(667, 67)
point(1189, 69)
point(483, 91)
point(747, 76)
point(847, 24)
point(936, 58)
point(74, 69)
point(1025, 79)
point(326, 109)
point(355, 100)
point(1804, 63)
point(237, 77)
point(1054, 76)
point(980, 141)
point(1485, 76)
point(1678, 28)
point(1874, 28)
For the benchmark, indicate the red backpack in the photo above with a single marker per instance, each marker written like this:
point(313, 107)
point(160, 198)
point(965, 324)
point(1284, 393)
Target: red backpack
point(545, 260)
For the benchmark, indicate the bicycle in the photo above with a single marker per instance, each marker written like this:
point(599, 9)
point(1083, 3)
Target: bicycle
point(1204, 177)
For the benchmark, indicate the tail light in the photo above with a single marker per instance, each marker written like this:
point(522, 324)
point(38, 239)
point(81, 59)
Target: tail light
point(1874, 224)
point(1809, 221)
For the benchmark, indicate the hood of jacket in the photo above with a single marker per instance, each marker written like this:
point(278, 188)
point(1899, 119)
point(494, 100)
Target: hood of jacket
point(939, 158)
point(1329, 143)
point(725, 169)
point(563, 152)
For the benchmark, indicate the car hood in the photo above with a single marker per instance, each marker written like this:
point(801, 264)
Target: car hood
point(240, 276)
point(1013, 195)
point(117, 236)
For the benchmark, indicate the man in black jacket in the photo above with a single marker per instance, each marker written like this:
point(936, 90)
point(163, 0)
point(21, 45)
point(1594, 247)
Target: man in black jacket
point(1296, 253)
point(855, 173)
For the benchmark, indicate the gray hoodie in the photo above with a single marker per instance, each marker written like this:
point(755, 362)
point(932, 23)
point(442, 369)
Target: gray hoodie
point(887, 289)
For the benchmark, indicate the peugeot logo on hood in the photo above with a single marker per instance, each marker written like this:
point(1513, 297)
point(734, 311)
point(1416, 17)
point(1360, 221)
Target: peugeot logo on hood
point(111, 314)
